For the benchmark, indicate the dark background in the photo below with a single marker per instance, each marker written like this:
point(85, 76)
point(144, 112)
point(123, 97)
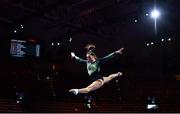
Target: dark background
point(109, 24)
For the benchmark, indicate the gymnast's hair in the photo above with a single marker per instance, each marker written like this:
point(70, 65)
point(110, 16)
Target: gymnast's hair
point(90, 49)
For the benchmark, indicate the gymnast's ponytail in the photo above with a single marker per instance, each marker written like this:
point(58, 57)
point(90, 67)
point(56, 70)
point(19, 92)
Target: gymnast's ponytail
point(90, 49)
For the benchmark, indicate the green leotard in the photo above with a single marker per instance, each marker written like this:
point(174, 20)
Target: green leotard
point(93, 68)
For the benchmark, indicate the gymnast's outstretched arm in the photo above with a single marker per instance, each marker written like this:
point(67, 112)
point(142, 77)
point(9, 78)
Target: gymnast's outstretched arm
point(73, 56)
point(111, 55)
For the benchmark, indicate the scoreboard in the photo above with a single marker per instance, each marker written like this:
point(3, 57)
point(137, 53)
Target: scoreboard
point(23, 48)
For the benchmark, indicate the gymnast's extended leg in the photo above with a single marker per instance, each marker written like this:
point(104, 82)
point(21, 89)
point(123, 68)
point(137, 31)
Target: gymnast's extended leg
point(93, 86)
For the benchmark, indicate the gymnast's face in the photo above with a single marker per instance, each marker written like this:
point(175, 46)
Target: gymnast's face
point(90, 58)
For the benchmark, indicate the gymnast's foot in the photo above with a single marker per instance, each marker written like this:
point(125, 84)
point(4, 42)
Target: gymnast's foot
point(119, 74)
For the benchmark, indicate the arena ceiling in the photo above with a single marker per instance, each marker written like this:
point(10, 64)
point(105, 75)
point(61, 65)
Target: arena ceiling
point(110, 24)
point(105, 19)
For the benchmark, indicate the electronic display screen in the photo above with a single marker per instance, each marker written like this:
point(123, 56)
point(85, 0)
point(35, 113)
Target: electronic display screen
point(22, 48)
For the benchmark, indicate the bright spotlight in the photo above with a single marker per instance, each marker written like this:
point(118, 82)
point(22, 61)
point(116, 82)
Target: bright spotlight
point(15, 31)
point(147, 44)
point(47, 77)
point(22, 26)
point(169, 39)
point(58, 44)
point(52, 44)
point(155, 14)
point(135, 20)
point(147, 14)
point(152, 43)
point(162, 40)
point(17, 101)
point(70, 39)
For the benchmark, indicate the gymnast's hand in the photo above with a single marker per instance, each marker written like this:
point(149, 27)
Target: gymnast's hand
point(119, 51)
point(72, 55)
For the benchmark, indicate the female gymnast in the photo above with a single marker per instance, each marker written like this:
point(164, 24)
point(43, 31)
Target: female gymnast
point(93, 68)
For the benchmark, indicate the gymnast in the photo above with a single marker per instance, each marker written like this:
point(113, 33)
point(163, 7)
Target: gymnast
point(93, 68)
